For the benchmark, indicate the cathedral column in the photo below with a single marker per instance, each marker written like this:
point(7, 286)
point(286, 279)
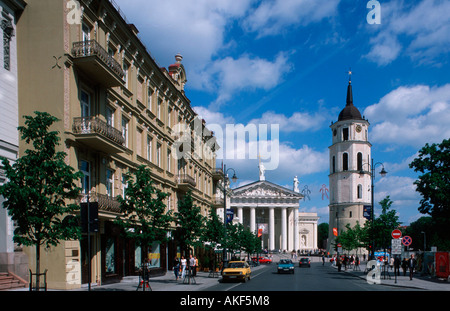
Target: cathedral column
point(296, 233)
point(271, 228)
point(283, 228)
point(252, 219)
point(240, 215)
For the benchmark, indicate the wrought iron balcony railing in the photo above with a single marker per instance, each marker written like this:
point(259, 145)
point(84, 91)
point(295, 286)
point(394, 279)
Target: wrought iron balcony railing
point(93, 125)
point(93, 48)
point(105, 202)
point(186, 179)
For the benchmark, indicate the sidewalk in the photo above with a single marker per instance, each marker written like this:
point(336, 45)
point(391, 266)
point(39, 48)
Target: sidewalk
point(166, 282)
point(418, 281)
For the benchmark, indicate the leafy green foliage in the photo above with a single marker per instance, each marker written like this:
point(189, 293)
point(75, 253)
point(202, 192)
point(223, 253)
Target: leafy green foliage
point(144, 217)
point(242, 239)
point(381, 229)
point(433, 162)
point(352, 238)
point(214, 229)
point(190, 222)
point(39, 183)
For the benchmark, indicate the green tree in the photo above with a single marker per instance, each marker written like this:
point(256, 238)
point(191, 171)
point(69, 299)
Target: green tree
point(352, 238)
point(214, 229)
point(39, 185)
point(212, 235)
point(190, 223)
point(242, 239)
point(322, 232)
point(433, 162)
point(380, 230)
point(249, 242)
point(143, 212)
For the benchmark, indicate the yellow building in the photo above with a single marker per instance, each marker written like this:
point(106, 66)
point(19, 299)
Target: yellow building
point(118, 110)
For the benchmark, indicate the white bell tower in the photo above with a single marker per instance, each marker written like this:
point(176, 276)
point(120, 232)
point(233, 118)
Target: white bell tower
point(350, 154)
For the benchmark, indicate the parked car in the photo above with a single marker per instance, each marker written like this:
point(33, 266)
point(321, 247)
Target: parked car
point(285, 265)
point(237, 270)
point(304, 262)
point(262, 259)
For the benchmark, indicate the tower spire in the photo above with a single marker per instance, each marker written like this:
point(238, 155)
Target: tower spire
point(349, 89)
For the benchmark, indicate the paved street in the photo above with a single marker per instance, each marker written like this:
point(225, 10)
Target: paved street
point(265, 278)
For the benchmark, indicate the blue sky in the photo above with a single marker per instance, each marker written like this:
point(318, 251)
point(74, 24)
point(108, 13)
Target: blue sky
point(285, 62)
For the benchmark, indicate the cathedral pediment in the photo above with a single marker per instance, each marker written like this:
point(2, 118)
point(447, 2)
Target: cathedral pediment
point(265, 189)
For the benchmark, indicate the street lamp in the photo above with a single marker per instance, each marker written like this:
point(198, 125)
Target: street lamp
point(424, 241)
point(225, 178)
point(372, 179)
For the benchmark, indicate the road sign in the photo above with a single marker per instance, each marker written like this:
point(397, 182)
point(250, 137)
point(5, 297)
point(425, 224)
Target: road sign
point(339, 248)
point(367, 212)
point(406, 240)
point(396, 246)
point(230, 215)
point(396, 234)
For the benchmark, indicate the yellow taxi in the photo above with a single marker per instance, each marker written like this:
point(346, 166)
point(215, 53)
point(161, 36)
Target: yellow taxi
point(237, 270)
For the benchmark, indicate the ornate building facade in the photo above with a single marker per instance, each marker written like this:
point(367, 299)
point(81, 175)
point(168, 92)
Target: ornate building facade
point(118, 110)
point(275, 209)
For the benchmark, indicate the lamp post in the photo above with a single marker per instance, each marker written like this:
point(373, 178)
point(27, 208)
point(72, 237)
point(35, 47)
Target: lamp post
point(424, 241)
point(372, 179)
point(225, 178)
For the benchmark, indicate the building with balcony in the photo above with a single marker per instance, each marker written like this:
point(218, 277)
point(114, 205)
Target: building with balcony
point(118, 110)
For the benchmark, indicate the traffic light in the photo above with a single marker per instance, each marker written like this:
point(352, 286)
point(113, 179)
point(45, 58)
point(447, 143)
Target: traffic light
point(93, 217)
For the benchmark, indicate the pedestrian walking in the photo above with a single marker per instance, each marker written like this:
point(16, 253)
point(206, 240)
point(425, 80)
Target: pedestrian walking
point(191, 265)
point(412, 266)
point(391, 263)
point(338, 263)
point(195, 265)
point(176, 267)
point(323, 260)
point(397, 264)
point(183, 267)
point(404, 266)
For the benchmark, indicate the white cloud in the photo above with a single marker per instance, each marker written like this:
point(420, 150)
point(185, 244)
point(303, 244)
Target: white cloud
point(385, 49)
point(229, 75)
point(411, 116)
point(298, 122)
point(402, 192)
point(273, 17)
point(213, 117)
point(194, 28)
point(197, 30)
point(243, 150)
point(418, 30)
point(292, 162)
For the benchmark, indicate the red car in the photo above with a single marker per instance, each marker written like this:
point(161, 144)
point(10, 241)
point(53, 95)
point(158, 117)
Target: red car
point(304, 262)
point(263, 259)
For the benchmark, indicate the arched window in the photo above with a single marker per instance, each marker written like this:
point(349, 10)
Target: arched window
point(359, 159)
point(345, 162)
point(334, 165)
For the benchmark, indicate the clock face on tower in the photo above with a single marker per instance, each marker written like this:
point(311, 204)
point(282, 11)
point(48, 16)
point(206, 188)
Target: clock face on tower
point(358, 128)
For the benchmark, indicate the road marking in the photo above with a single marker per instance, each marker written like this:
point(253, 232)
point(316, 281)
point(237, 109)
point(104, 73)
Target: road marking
point(252, 277)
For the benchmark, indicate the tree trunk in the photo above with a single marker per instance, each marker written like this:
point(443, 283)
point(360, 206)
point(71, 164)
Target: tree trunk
point(38, 257)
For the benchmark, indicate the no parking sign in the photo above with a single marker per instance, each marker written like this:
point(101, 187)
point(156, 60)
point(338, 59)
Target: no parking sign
point(406, 240)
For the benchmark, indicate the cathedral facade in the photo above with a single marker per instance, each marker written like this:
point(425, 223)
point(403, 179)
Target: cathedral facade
point(273, 210)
